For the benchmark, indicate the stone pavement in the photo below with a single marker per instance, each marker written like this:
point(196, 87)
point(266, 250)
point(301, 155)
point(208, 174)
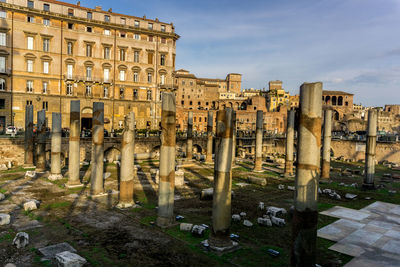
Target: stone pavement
point(371, 235)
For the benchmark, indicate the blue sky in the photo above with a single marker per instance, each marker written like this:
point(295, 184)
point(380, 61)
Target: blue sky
point(349, 45)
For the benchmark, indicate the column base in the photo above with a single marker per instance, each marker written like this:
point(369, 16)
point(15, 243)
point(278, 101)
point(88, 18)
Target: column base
point(99, 195)
point(73, 185)
point(254, 170)
point(227, 247)
point(368, 186)
point(54, 177)
point(209, 162)
point(126, 205)
point(164, 222)
point(28, 166)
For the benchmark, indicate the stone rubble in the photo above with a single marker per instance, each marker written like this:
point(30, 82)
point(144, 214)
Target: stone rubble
point(278, 221)
point(291, 188)
point(2, 196)
point(21, 240)
point(30, 174)
point(247, 223)
point(4, 218)
point(281, 187)
point(31, 205)
point(186, 227)
point(236, 218)
point(275, 211)
point(198, 230)
point(3, 167)
point(264, 221)
point(69, 259)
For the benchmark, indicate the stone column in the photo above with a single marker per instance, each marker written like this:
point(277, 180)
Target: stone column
point(74, 138)
point(234, 139)
point(97, 182)
point(210, 120)
point(289, 144)
point(189, 144)
point(56, 147)
point(304, 229)
point(326, 148)
point(29, 142)
point(221, 213)
point(127, 163)
point(370, 149)
point(259, 142)
point(167, 161)
point(41, 141)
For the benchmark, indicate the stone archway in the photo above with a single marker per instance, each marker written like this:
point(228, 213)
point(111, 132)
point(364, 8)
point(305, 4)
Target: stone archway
point(86, 118)
point(112, 154)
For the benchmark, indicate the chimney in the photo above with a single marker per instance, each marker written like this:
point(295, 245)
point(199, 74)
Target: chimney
point(98, 8)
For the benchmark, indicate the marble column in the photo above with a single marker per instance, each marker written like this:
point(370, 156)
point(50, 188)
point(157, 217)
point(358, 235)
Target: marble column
point(289, 144)
point(41, 141)
point(259, 141)
point(326, 148)
point(55, 147)
point(370, 150)
point(97, 180)
point(29, 141)
point(189, 144)
point(210, 120)
point(74, 138)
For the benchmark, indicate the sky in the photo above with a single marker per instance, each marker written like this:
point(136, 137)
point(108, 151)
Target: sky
point(349, 45)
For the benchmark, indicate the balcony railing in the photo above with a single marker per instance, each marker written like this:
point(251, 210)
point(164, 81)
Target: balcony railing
point(77, 78)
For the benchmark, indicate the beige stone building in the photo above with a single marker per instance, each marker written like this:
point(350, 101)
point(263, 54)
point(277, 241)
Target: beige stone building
point(53, 52)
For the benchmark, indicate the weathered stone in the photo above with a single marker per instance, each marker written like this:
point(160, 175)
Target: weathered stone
point(242, 184)
point(31, 205)
point(30, 174)
point(275, 211)
point(236, 218)
point(277, 221)
point(186, 227)
point(4, 219)
point(106, 175)
point(335, 195)
point(198, 230)
point(257, 180)
point(242, 214)
point(68, 259)
point(207, 194)
point(261, 205)
point(291, 188)
point(3, 167)
point(247, 223)
point(2, 196)
point(281, 187)
point(10, 265)
point(327, 191)
point(179, 178)
point(51, 251)
point(264, 221)
point(350, 196)
point(21, 240)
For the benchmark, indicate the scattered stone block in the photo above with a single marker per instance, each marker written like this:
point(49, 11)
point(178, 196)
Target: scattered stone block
point(278, 221)
point(179, 178)
point(275, 211)
point(241, 184)
point(9, 164)
point(291, 188)
point(207, 194)
point(31, 205)
point(281, 187)
point(354, 185)
point(261, 205)
point(319, 191)
point(236, 218)
point(264, 221)
point(187, 227)
point(2, 196)
point(30, 174)
point(69, 259)
point(247, 223)
point(392, 191)
point(242, 214)
point(350, 196)
point(3, 167)
point(335, 195)
point(21, 240)
point(51, 251)
point(327, 191)
point(257, 180)
point(198, 230)
point(4, 218)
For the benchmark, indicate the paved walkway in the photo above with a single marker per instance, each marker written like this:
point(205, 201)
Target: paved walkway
point(371, 235)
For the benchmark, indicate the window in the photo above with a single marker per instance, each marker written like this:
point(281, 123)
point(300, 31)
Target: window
point(29, 65)
point(105, 91)
point(137, 24)
point(150, 38)
point(162, 60)
point(163, 40)
point(107, 32)
point(46, 7)
point(136, 36)
point(135, 77)
point(190, 103)
point(149, 77)
point(70, 12)
point(69, 71)
point(121, 92)
point(182, 102)
point(106, 75)
point(29, 86)
point(45, 87)
point(150, 26)
point(135, 94)
point(88, 90)
point(70, 46)
point(136, 56)
point(122, 35)
point(70, 26)
point(30, 43)
point(30, 19)
point(106, 18)
point(88, 50)
point(89, 15)
point(45, 105)
point(89, 73)
point(46, 45)
point(106, 53)
point(123, 21)
point(69, 89)
point(150, 57)
point(2, 84)
point(46, 22)
point(3, 14)
point(30, 4)
point(89, 29)
point(29, 102)
point(46, 67)
point(122, 54)
point(162, 78)
point(163, 28)
point(122, 75)
point(3, 37)
point(149, 95)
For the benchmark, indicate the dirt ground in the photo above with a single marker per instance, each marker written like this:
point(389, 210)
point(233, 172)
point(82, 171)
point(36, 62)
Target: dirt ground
point(106, 236)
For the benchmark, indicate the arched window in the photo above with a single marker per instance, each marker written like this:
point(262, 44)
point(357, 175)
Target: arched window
point(340, 101)
point(333, 100)
point(2, 84)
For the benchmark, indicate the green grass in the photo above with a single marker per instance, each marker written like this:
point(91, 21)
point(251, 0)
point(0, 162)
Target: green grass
point(57, 205)
point(7, 236)
point(3, 191)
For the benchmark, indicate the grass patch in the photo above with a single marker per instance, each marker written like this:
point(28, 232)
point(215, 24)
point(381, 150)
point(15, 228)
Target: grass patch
point(57, 205)
point(7, 236)
point(146, 220)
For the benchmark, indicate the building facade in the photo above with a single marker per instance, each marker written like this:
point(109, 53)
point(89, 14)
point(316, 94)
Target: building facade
point(53, 52)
